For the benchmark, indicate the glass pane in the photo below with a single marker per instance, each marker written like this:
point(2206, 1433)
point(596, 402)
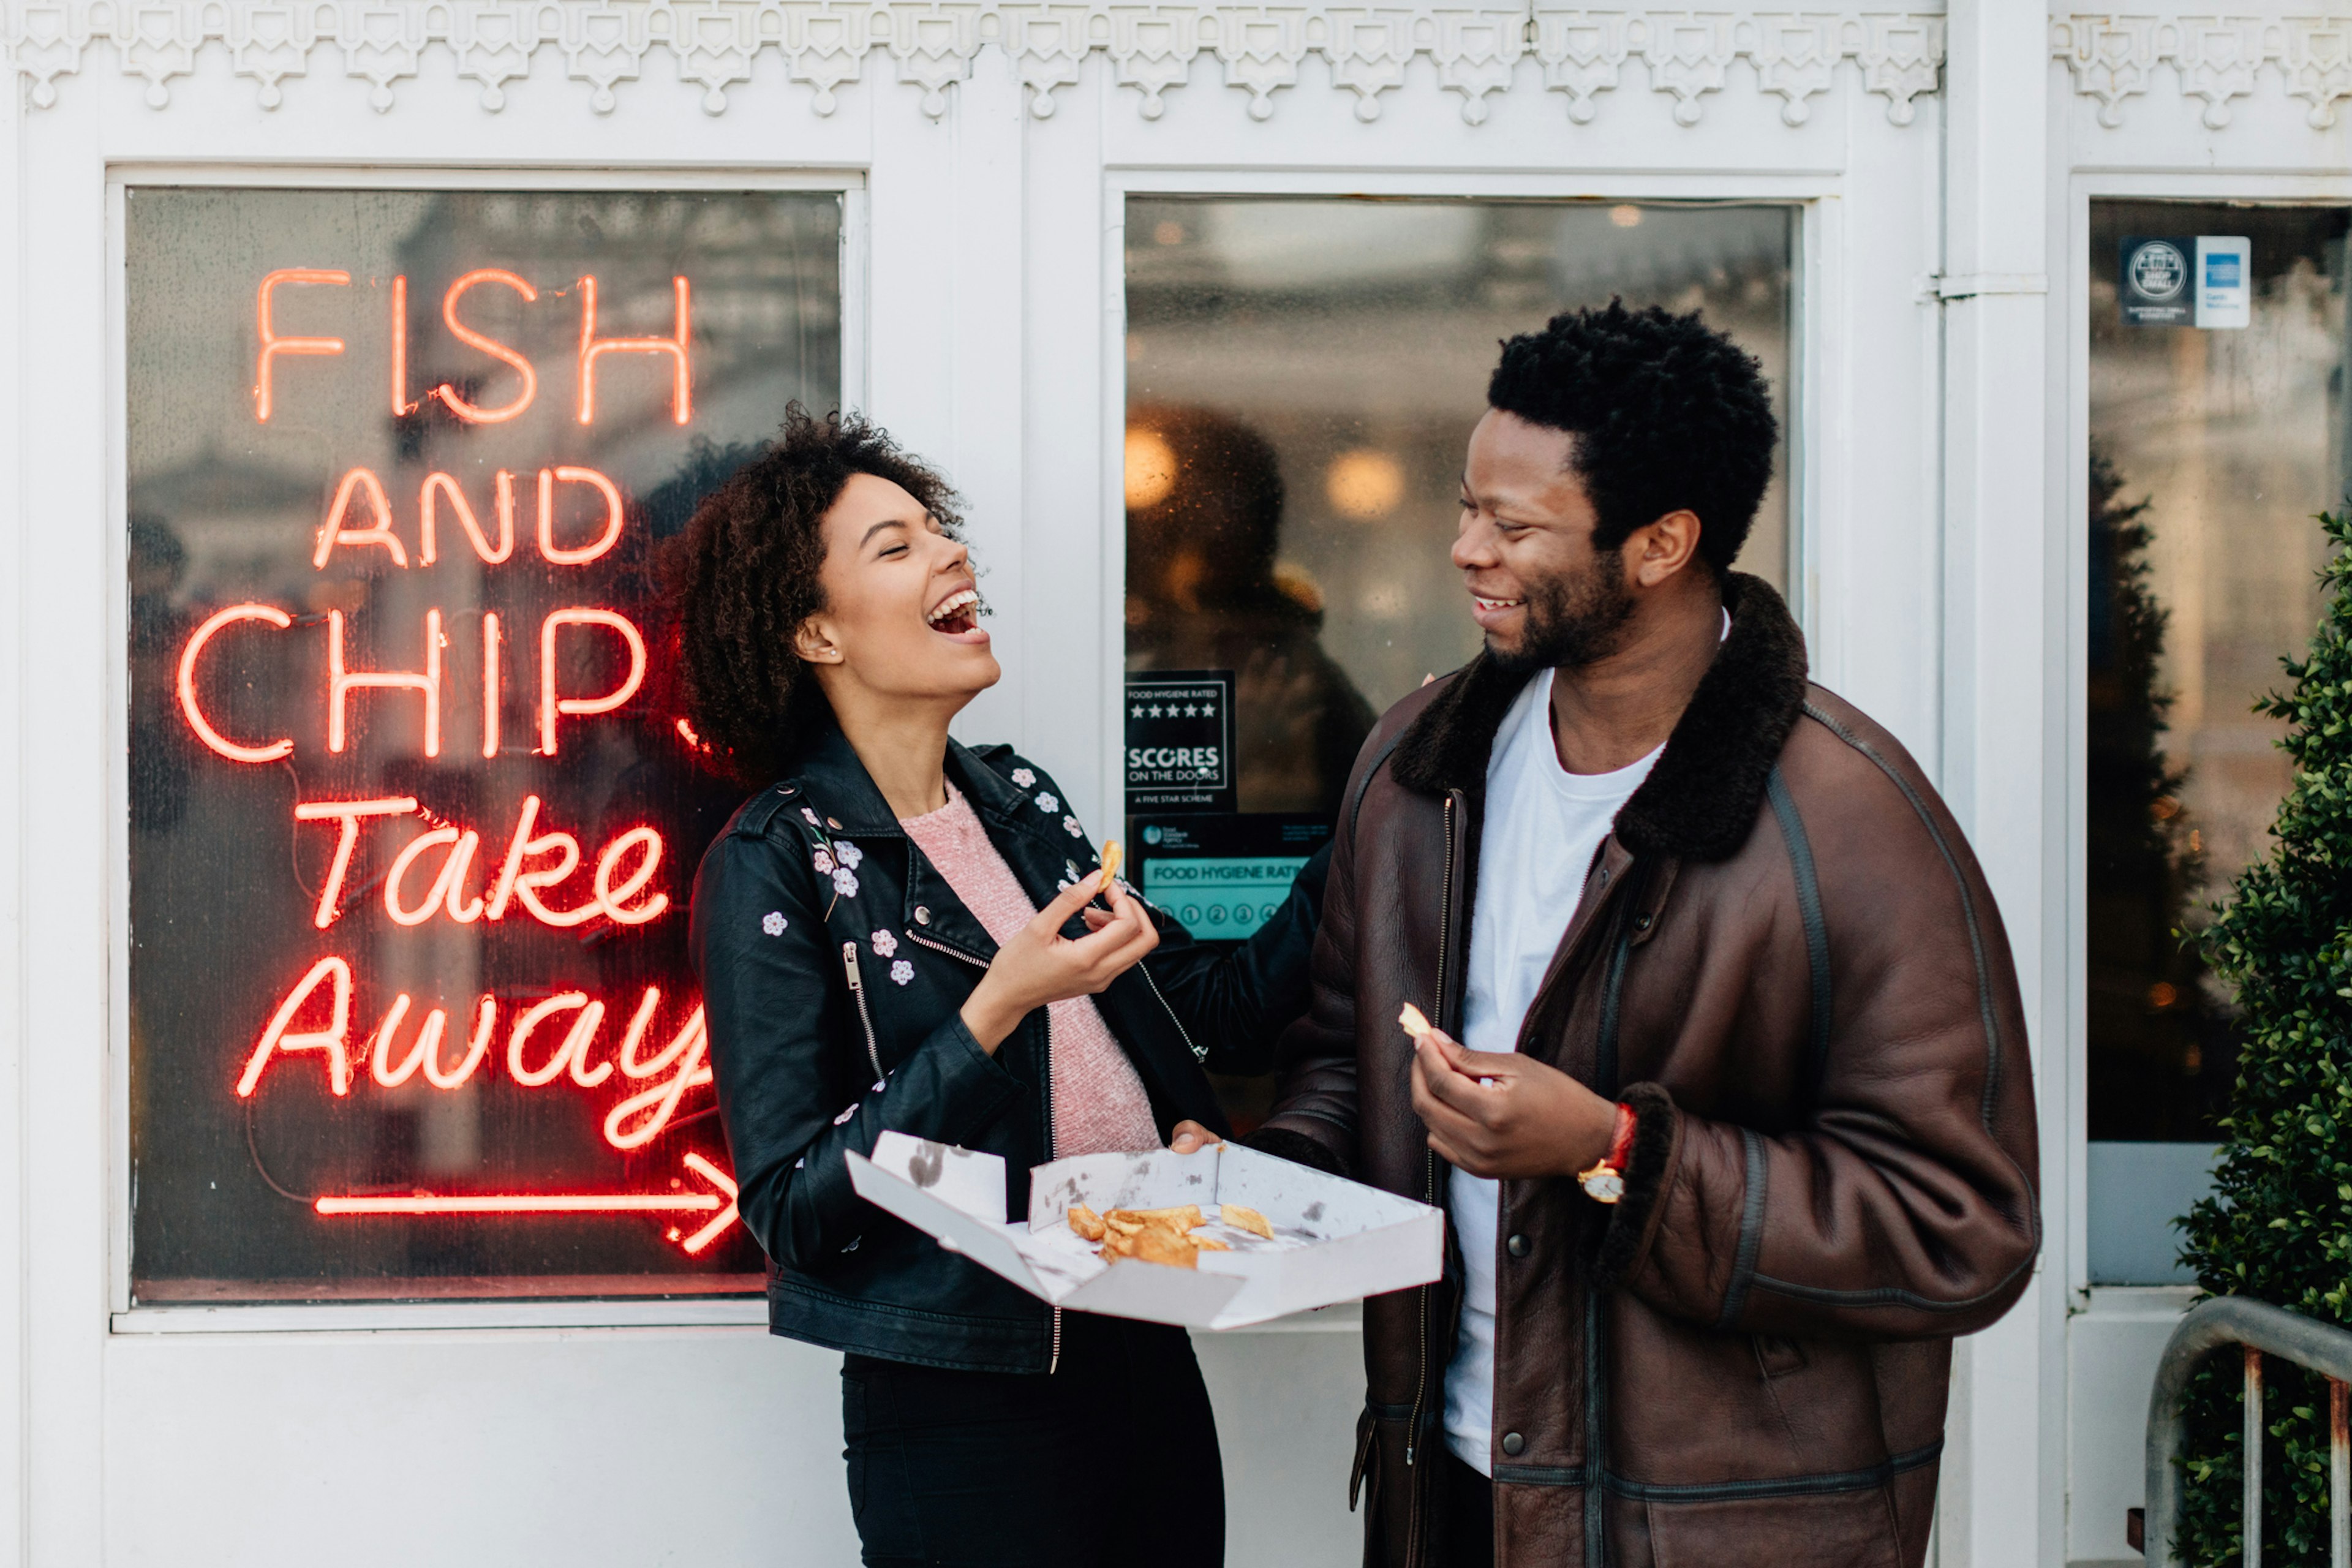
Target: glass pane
point(411, 1013)
point(1302, 378)
point(2211, 450)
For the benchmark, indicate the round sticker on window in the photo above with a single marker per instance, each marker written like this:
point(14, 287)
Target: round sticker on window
point(2158, 270)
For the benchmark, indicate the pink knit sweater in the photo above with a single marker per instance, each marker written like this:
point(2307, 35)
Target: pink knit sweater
point(1099, 1106)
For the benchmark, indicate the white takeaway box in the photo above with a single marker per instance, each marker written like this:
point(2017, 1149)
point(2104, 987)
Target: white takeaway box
point(1334, 1240)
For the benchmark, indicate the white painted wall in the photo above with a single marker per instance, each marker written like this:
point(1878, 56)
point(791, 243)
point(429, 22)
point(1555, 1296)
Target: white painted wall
point(706, 1447)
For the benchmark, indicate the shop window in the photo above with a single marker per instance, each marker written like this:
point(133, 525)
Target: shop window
point(1302, 378)
point(2217, 430)
point(412, 822)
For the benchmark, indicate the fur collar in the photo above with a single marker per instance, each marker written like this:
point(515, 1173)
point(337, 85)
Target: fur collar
point(1702, 798)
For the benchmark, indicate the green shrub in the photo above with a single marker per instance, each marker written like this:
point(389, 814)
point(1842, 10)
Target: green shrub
point(2279, 1227)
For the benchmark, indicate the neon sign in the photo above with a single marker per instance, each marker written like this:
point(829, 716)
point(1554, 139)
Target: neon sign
point(409, 907)
point(620, 890)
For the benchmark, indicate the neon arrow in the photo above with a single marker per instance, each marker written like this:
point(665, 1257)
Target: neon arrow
point(719, 1205)
point(725, 1217)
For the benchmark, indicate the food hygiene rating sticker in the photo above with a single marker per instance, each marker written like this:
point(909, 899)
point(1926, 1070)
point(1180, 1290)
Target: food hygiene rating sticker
point(1179, 741)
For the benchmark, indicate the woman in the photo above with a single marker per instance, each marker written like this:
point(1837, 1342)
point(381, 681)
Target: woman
point(898, 932)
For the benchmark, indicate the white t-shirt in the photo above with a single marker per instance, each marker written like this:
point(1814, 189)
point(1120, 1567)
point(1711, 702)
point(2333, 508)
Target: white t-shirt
point(1543, 824)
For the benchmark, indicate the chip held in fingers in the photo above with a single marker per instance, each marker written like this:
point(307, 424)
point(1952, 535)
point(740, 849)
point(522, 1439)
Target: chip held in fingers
point(1413, 1021)
point(1111, 856)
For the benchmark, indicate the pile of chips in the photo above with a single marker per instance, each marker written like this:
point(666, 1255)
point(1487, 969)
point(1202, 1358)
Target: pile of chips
point(1162, 1236)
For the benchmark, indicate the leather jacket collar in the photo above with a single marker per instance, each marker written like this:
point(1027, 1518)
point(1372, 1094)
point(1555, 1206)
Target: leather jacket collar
point(830, 771)
point(832, 775)
point(1699, 801)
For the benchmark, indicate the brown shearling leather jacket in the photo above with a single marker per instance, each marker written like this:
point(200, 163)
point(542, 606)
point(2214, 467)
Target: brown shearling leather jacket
point(1786, 960)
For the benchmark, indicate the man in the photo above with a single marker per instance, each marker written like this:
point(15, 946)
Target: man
point(1743, 1131)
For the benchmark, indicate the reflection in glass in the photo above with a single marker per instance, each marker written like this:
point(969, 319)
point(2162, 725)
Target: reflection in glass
point(1206, 590)
point(1302, 381)
point(229, 905)
point(2210, 452)
point(1327, 358)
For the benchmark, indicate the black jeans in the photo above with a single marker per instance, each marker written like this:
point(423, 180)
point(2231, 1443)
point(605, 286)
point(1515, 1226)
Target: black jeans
point(1109, 1462)
point(1469, 1516)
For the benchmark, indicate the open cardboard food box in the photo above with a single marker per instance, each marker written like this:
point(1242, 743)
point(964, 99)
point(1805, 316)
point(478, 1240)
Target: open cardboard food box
point(1334, 1240)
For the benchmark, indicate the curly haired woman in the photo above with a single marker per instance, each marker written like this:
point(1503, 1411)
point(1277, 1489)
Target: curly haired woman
point(899, 932)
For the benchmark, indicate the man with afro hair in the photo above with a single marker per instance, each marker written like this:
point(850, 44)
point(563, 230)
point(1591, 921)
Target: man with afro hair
point(1727, 1094)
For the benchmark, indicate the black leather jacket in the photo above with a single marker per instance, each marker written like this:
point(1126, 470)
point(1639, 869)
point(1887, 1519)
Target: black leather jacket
point(834, 959)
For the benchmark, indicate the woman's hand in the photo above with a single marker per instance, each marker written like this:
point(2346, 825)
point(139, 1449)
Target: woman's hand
point(1041, 965)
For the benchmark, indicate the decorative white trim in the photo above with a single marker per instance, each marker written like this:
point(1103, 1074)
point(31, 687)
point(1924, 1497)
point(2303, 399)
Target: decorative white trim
point(2215, 58)
point(932, 44)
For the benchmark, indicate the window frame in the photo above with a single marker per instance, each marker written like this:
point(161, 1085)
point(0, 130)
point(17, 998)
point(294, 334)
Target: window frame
point(2083, 188)
point(125, 1316)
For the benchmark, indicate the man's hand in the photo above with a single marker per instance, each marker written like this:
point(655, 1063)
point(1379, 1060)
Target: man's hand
point(1503, 1115)
point(1188, 1136)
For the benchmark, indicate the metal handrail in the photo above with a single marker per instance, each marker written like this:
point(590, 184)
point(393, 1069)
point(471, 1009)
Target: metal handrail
point(2260, 1329)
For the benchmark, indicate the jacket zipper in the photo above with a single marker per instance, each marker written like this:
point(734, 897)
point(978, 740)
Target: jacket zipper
point(1596, 1350)
point(1053, 1112)
point(972, 958)
point(1053, 1144)
point(1199, 1054)
point(1429, 1194)
point(858, 989)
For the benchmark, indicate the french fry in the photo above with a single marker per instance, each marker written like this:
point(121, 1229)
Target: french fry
point(1208, 1244)
point(1187, 1217)
point(1247, 1219)
point(1413, 1021)
point(1159, 1242)
point(1111, 856)
point(1085, 1222)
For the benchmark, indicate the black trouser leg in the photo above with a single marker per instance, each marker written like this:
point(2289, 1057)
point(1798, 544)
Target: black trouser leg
point(1109, 1462)
point(1469, 1516)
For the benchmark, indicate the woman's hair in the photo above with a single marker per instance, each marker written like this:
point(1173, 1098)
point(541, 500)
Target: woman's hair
point(745, 575)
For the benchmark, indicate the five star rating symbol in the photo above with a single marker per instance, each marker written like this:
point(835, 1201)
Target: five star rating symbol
point(1180, 739)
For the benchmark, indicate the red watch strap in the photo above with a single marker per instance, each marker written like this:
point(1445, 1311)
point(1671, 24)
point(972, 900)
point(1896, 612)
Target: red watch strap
point(1621, 1138)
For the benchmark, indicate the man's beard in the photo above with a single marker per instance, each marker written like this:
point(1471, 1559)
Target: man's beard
point(1571, 620)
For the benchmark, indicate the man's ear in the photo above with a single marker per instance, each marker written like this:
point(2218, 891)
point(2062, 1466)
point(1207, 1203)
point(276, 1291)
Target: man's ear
point(1658, 549)
point(814, 642)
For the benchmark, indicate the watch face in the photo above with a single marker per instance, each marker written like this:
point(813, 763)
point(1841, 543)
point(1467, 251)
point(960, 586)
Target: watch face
point(1604, 1186)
